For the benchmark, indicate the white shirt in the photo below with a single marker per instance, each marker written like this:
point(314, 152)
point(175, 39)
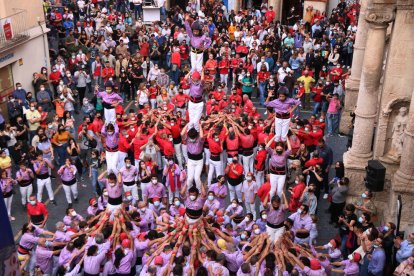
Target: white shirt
point(283, 72)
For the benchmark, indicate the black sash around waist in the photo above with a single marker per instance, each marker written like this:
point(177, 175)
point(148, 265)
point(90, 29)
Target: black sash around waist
point(195, 50)
point(25, 183)
point(302, 235)
point(8, 194)
point(130, 183)
point(196, 100)
point(195, 157)
point(275, 226)
point(283, 115)
point(37, 219)
point(115, 201)
point(277, 170)
point(70, 182)
point(42, 176)
point(193, 214)
point(237, 220)
point(114, 149)
point(107, 105)
point(215, 157)
point(247, 151)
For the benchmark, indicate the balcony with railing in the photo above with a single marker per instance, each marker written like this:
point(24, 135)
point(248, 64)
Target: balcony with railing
point(13, 30)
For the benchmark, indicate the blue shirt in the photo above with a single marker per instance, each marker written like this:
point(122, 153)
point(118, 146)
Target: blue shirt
point(271, 63)
point(20, 94)
point(405, 251)
point(377, 263)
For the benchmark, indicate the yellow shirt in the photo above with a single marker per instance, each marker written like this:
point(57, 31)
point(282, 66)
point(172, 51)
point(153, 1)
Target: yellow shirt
point(307, 81)
point(232, 29)
point(5, 162)
point(33, 115)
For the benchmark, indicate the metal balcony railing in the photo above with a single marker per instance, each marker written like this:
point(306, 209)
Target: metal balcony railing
point(13, 29)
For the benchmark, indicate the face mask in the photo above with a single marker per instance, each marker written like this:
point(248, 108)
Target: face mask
point(306, 129)
point(156, 203)
point(257, 231)
point(47, 243)
point(154, 181)
point(364, 195)
point(19, 88)
point(279, 152)
point(249, 178)
point(242, 236)
point(32, 202)
point(170, 162)
point(108, 91)
point(360, 219)
point(74, 213)
point(177, 203)
point(299, 211)
point(330, 245)
point(235, 161)
point(12, 100)
point(217, 139)
point(129, 198)
point(95, 205)
point(64, 228)
point(110, 133)
point(192, 197)
point(375, 246)
point(234, 205)
point(105, 194)
point(246, 219)
point(112, 184)
point(143, 209)
point(264, 216)
point(321, 120)
point(170, 139)
point(248, 75)
point(128, 165)
point(297, 127)
point(210, 197)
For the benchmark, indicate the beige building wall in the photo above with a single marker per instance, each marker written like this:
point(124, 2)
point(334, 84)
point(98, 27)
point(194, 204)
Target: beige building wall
point(34, 10)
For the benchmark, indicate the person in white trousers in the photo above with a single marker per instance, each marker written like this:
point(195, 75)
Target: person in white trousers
point(234, 172)
point(276, 213)
point(111, 133)
point(25, 177)
point(195, 143)
point(283, 107)
point(196, 104)
point(249, 191)
point(215, 165)
point(67, 174)
point(6, 188)
point(128, 176)
point(277, 166)
point(41, 168)
point(198, 41)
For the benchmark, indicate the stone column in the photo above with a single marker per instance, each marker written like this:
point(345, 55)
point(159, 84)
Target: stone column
point(352, 84)
point(405, 174)
point(378, 17)
point(399, 76)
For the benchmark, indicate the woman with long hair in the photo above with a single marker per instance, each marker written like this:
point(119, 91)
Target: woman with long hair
point(6, 186)
point(60, 140)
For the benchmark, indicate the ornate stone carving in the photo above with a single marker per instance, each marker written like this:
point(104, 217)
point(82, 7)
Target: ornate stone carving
point(397, 139)
point(380, 15)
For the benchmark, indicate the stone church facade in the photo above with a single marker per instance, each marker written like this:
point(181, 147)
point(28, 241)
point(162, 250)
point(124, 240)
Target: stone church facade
point(380, 91)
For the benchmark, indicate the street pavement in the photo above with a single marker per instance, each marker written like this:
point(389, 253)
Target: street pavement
point(56, 213)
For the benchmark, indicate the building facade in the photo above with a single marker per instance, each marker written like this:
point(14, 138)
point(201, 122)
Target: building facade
point(23, 45)
point(381, 92)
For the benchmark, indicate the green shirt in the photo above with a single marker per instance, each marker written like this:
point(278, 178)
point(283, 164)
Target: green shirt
point(245, 88)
